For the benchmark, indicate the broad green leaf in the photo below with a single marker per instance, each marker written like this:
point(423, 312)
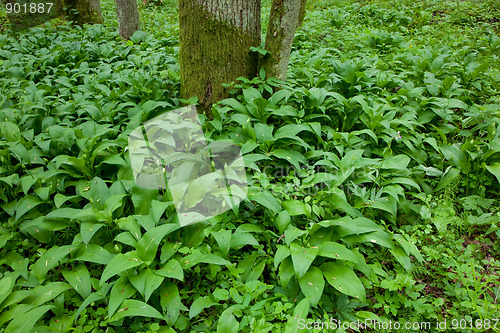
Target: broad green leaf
point(200, 304)
point(135, 308)
point(302, 257)
point(320, 177)
point(49, 260)
point(377, 237)
point(198, 257)
point(264, 132)
point(14, 312)
point(286, 271)
point(146, 221)
point(146, 282)
point(343, 279)
point(292, 233)
point(99, 192)
point(142, 198)
point(235, 105)
point(26, 204)
point(280, 95)
point(312, 284)
point(7, 284)
point(248, 147)
point(120, 291)
point(170, 302)
point(292, 156)
point(256, 271)
point(172, 269)
point(25, 322)
point(402, 180)
point(299, 314)
point(340, 203)
point(456, 156)
point(282, 252)
point(399, 253)
point(94, 253)
point(242, 238)
point(113, 203)
point(409, 247)
point(251, 93)
point(450, 174)
point(157, 210)
point(79, 279)
point(296, 207)
point(337, 251)
point(351, 158)
point(13, 180)
point(168, 250)
point(250, 160)
point(227, 323)
point(356, 226)
point(43, 193)
point(399, 162)
point(121, 262)
point(223, 239)
point(388, 204)
point(148, 244)
point(45, 293)
point(18, 263)
point(10, 131)
point(198, 188)
point(4, 239)
point(94, 297)
point(88, 230)
point(494, 169)
point(290, 131)
point(130, 223)
point(282, 221)
point(266, 199)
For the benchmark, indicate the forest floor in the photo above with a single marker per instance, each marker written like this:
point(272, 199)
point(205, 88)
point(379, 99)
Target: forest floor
point(392, 106)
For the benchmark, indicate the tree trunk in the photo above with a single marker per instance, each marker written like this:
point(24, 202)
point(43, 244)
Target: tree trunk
point(302, 12)
point(128, 17)
point(283, 22)
point(215, 41)
point(87, 11)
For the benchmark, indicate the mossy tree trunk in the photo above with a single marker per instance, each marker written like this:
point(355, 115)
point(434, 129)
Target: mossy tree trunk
point(215, 41)
point(302, 12)
point(83, 11)
point(128, 17)
point(285, 17)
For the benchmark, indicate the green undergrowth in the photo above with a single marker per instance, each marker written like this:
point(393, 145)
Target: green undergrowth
point(374, 179)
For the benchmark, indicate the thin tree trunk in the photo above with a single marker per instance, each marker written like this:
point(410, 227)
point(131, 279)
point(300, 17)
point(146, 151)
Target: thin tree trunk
point(128, 17)
point(215, 41)
point(87, 11)
point(302, 12)
point(283, 21)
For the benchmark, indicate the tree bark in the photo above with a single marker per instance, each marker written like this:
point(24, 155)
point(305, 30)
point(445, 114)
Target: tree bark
point(128, 17)
point(215, 41)
point(87, 11)
point(283, 21)
point(302, 12)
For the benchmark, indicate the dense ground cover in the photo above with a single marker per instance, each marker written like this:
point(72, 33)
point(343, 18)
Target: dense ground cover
point(374, 178)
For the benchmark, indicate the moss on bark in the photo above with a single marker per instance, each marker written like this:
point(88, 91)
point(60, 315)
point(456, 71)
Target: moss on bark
point(83, 11)
point(283, 22)
point(215, 41)
point(302, 12)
